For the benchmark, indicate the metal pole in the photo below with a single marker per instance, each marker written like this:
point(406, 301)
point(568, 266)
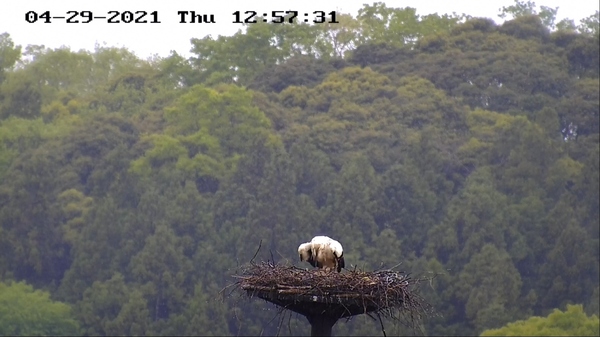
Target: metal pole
point(321, 325)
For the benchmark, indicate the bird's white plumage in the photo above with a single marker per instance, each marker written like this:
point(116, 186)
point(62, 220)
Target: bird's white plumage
point(325, 253)
point(321, 240)
point(328, 243)
point(304, 246)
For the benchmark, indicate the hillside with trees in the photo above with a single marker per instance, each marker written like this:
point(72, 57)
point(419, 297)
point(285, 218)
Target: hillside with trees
point(131, 190)
point(572, 322)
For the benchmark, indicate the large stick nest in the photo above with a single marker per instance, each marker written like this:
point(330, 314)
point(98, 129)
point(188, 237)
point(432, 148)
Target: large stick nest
point(387, 292)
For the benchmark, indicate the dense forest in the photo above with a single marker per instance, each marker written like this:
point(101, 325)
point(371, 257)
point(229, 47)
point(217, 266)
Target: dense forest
point(131, 190)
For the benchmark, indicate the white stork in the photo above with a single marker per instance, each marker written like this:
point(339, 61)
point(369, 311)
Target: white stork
point(323, 252)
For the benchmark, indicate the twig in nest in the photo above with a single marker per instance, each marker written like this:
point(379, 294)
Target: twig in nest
point(238, 320)
point(290, 323)
point(259, 245)
point(223, 290)
point(381, 322)
point(396, 266)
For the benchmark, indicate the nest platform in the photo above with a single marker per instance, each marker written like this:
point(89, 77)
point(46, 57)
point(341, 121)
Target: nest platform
point(325, 297)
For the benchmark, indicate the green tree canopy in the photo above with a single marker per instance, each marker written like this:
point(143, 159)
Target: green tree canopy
point(28, 312)
point(571, 322)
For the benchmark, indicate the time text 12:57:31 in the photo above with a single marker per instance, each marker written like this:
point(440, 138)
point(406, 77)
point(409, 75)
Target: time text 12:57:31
point(285, 17)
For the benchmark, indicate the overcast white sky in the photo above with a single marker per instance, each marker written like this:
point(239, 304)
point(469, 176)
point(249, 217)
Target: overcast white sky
point(149, 39)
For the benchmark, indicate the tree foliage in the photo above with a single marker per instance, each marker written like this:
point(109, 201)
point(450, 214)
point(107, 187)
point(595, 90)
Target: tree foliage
point(28, 312)
point(571, 322)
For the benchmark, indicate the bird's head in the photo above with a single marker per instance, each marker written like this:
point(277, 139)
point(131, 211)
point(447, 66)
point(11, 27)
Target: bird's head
point(337, 249)
point(304, 250)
